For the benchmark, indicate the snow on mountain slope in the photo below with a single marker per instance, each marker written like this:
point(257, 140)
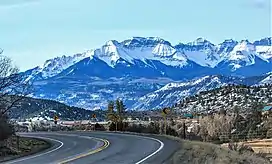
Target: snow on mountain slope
point(111, 52)
point(151, 48)
point(226, 47)
point(201, 58)
point(264, 51)
point(243, 54)
point(200, 51)
point(267, 80)
point(139, 94)
point(172, 92)
point(264, 47)
point(55, 66)
point(227, 98)
point(95, 93)
point(243, 51)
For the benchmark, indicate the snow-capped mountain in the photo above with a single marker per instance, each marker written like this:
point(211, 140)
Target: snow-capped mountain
point(200, 51)
point(161, 59)
point(53, 67)
point(92, 78)
point(264, 48)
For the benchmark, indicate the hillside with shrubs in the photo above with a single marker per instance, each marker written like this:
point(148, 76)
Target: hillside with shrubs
point(230, 98)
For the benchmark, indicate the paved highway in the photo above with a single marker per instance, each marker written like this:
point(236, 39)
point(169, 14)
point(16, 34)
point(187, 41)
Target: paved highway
point(100, 148)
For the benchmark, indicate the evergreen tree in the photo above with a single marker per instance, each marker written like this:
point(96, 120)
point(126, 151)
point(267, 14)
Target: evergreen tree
point(122, 107)
point(111, 115)
point(111, 107)
point(118, 107)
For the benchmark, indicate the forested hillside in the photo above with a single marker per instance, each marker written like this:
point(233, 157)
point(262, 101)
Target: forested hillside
point(47, 109)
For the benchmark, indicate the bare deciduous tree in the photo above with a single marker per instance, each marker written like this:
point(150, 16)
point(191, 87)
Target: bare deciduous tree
point(216, 126)
point(13, 88)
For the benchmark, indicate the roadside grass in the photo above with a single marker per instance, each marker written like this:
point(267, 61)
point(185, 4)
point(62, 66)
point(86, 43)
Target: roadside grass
point(196, 152)
point(193, 152)
point(27, 146)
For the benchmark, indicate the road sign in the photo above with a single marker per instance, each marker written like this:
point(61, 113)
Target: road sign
point(166, 111)
point(94, 116)
point(56, 119)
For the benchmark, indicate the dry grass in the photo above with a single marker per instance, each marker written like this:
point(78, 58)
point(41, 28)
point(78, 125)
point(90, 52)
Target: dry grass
point(193, 152)
point(26, 147)
point(261, 146)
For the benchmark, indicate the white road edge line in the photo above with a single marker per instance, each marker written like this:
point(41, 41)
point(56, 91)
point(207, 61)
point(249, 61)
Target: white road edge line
point(149, 156)
point(34, 156)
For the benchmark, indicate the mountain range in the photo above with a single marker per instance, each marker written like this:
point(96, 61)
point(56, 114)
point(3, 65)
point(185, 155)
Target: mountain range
point(141, 70)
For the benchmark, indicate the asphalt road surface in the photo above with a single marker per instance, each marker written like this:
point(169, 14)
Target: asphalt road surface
point(100, 148)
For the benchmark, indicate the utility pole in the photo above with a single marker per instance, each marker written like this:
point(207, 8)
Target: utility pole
point(94, 117)
point(184, 130)
point(161, 127)
point(116, 123)
point(165, 122)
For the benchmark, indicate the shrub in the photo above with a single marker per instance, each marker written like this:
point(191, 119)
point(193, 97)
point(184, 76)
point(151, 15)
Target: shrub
point(269, 133)
point(121, 126)
point(171, 131)
point(112, 126)
point(136, 128)
point(99, 127)
point(153, 128)
point(6, 129)
point(241, 148)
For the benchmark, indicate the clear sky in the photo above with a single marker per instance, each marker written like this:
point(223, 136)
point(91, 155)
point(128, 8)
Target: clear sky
point(32, 31)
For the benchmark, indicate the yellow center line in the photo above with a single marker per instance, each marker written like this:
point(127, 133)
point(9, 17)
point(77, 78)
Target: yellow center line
point(105, 145)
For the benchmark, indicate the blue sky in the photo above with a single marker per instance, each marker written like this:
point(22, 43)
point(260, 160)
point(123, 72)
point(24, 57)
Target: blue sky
point(32, 31)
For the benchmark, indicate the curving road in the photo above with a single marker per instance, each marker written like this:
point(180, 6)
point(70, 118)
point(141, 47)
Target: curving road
point(101, 148)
